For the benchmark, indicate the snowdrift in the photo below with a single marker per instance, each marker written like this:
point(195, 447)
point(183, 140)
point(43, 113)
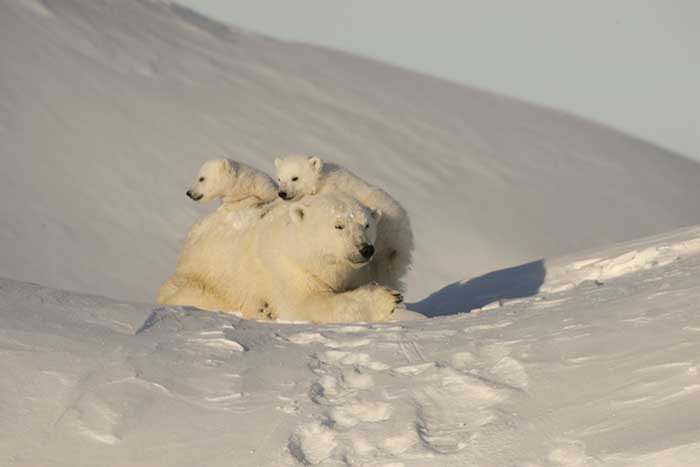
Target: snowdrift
point(599, 367)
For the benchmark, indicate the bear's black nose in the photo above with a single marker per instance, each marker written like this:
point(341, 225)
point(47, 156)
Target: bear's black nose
point(189, 193)
point(283, 194)
point(367, 251)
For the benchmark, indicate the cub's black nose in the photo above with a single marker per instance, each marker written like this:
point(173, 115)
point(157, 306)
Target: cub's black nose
point(367, 251)
point(283, 194)
point(189, 193)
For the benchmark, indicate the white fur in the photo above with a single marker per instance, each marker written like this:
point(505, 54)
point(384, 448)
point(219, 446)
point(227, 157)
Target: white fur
point(236, 184)
point(293, 264)
point(299, 176)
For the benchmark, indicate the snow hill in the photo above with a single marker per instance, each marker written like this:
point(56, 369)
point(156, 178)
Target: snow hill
point(108, 107)
point(601, 367)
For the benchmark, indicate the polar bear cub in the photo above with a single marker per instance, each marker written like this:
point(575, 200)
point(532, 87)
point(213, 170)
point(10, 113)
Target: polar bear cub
point(300, 175)
point(237, 185)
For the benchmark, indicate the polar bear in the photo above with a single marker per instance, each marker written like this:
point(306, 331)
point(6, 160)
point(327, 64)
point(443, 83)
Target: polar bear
point(299, 175)
point(305, 261)
point(236, 184)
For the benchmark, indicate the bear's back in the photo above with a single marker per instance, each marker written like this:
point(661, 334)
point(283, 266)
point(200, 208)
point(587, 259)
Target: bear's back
point(253, 182)
point(337, 178)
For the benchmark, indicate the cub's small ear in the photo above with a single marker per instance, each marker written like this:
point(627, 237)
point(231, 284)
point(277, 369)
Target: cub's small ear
point(296, 212)
point(278, 162)
point(376, 214)
point(316, 164)
point(226, 165)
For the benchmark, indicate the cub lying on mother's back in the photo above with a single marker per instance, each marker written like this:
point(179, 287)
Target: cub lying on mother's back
point(237, 185)
point(299, 176)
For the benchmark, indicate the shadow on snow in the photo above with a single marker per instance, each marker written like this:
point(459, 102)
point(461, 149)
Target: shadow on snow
point(516, 282)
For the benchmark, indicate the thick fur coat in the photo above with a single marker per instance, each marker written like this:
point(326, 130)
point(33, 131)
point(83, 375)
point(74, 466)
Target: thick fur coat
point(300, 261)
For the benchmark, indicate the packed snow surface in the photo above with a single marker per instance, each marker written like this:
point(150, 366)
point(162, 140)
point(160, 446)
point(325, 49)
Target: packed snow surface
point(108, 108)
point(600, 367)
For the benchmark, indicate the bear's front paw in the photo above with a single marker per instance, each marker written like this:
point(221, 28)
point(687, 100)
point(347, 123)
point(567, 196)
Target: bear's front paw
point(266, 313)
point(383, 303)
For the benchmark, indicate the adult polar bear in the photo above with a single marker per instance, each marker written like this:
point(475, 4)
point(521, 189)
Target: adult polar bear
point(299, 262)
point(299, 176)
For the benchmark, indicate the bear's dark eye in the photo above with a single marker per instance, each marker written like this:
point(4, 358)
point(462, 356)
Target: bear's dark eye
point(339, 227)
point(366, 226)
point(294, 179)
point(201, 179)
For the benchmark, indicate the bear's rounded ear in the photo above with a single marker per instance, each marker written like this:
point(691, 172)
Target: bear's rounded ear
point(376, 214)
point(296, 212)
point(226, 165)
point(316, 164)
point(278, 162)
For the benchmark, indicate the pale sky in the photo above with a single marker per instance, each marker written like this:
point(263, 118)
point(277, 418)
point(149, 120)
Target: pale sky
point(630, 64)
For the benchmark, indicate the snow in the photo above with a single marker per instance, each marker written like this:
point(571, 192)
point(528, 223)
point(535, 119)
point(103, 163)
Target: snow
point(597, 373)
point(106, 111)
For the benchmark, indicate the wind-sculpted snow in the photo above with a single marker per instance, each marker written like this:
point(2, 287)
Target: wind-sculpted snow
point(544, 277)
point(107, 109)
point(570, 271)
point(598, 373)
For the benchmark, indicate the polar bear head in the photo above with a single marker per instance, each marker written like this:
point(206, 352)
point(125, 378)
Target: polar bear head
point(215, 177)
point(332, 228)
point(298, 176)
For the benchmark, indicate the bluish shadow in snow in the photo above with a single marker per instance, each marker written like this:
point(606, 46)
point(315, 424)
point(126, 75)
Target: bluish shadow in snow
point(516, 282)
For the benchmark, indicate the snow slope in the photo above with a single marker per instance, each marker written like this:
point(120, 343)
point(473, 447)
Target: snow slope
point(601, 367)
point(108, 107)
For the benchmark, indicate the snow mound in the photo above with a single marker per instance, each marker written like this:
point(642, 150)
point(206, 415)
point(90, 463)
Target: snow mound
point(515, 284)
point(595, 373)
point(631, 257)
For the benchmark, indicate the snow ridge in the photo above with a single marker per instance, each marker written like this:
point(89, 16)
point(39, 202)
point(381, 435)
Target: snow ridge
point(533, 382)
